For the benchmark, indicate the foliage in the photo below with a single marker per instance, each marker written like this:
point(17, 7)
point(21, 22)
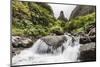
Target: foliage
point(56, 30)
point(37, 19)
point(31, 18)
point(80, 23)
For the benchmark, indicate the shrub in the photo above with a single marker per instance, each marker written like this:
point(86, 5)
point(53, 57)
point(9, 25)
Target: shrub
point(57, 30)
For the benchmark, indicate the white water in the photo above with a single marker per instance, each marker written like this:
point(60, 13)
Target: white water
point(31, 55)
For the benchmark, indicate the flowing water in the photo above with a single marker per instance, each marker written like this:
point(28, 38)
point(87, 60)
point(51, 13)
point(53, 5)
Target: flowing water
point(38, 53)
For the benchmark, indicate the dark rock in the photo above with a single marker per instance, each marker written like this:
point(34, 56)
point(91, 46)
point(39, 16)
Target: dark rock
point(82, 10)
point(16, 51)
point(62, 17)
point(15, 41)
point(24, 42)
point(92, 32)
point(88, 52)
point(88, 39)
point(58, 32)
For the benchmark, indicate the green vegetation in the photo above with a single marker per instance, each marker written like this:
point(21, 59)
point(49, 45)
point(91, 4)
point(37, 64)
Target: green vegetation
point(81, 23)
point(37, 19)
point(31, 18)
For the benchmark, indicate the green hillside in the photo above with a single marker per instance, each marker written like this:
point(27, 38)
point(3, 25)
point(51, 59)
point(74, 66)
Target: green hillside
point(37, 19)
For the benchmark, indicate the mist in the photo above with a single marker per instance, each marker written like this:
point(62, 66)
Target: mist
point(57, 8)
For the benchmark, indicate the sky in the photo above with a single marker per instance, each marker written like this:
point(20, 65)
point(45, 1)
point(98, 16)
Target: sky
point(67, 9)
point(57, 8)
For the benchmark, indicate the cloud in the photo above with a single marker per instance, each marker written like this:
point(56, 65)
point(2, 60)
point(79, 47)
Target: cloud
point(67, 9)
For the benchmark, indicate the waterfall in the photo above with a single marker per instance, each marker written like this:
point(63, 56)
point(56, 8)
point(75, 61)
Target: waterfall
point(41, 53)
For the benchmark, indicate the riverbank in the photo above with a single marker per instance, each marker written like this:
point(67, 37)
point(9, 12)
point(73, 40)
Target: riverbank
point(87, 46)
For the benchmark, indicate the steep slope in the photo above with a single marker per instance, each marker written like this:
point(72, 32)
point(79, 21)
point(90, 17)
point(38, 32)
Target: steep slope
point(81, 23)
point(37, 19)
point(82, 10)
point(29, 18)
point(62, 17)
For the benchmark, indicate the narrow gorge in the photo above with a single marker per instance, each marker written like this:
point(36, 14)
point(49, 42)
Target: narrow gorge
point(41, 35)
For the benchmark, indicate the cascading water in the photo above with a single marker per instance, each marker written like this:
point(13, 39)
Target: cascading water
point(41, 53)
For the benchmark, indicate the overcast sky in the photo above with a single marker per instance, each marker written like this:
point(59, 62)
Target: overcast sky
point(67, 9)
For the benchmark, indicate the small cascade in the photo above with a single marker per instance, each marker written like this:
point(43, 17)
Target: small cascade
point(41, 53)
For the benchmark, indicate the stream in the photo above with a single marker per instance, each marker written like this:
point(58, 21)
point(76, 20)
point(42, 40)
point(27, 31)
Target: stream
point(41, 53)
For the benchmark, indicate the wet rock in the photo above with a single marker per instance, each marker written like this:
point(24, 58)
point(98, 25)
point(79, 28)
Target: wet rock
point(18, 41)
point(88, 39)
point(88, 52)
point(16, 51)
point(92, 32)
point(54, 41)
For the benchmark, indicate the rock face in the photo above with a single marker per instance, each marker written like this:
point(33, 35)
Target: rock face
point(54, 41)
point(62, 17)
point(84, 40)
point(82, 10)
point(88, 52)
point(18, 41)
point(90, 37)
point(92, 32)
point(88, 46)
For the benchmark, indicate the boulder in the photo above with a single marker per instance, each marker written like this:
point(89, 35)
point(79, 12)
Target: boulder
point(18, 41)
point(87, 52)
point(54, 41)
point(88, 39)
point(92, 32)
point(16, 51)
